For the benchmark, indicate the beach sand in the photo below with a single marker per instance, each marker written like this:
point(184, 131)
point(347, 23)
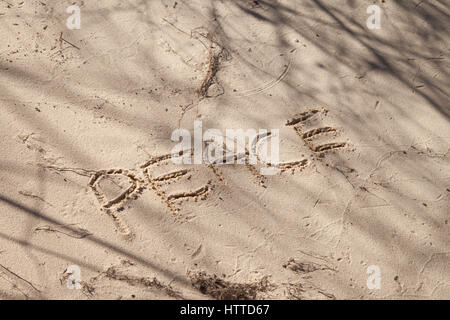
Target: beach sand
point(89, 212)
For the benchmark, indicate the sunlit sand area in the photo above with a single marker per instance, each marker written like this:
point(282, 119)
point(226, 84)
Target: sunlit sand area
point(117, 117)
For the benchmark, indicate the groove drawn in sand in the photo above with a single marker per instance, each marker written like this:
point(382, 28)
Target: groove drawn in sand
point(243, 158)
point(218, 173)
point(161, 193)
point(282, 166)
point(121, 198)
point(196, 194)
point(314, 132)
point(328, 147)
point(157, 159)
point(293, 165)
point(308, 136)
point(300, 117)
point(170, 199)
point(255, 172)
point(268, 85)
point(216, 53)
point(171, 175)
point(114, 205)
point(174, 201)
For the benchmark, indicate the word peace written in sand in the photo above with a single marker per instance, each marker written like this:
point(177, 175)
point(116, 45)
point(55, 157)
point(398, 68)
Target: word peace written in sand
point(149, 175)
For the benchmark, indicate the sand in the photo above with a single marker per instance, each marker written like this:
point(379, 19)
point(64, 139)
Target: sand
point(87, 112)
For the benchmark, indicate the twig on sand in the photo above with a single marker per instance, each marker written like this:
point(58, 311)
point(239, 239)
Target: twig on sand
point(77, 233)
point(29, 194)
point(7, 271)
point(173, 25)
point(61, 39)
